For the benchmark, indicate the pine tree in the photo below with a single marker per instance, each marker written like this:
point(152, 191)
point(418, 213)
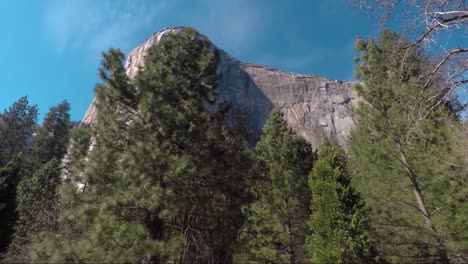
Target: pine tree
point(276, 227)
point(36, 196)
point(9, 173)
point(164, 178)
point(403, 152)
point(51, 141)
point(339, 224)
point(17, 125)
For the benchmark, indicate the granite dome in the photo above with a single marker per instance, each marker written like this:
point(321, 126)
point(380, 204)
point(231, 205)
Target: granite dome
point(311, 104)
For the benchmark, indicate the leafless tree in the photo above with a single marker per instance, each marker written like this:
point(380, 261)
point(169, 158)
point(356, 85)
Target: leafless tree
point(430, 24)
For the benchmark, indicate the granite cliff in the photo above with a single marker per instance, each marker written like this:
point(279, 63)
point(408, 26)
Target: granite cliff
point(311, 104)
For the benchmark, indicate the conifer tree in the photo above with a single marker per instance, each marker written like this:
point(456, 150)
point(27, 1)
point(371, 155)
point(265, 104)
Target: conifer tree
point(276, 227)
point(51, 141)
point(17, 125)
point(9, 173)
point(36, 196)
point(339, 225)
point(404, 156)
point(164, 178)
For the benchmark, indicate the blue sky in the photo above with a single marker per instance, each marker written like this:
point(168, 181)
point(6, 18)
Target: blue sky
point(50, 49)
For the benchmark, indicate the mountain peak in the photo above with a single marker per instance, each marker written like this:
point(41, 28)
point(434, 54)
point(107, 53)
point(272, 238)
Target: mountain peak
point(311, 104)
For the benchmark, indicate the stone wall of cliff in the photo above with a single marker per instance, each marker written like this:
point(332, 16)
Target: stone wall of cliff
point(311, 104)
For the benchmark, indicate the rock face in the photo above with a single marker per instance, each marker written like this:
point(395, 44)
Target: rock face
point(311, 104)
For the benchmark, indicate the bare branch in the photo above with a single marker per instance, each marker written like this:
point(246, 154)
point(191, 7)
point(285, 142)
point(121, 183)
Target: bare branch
point(442, 62)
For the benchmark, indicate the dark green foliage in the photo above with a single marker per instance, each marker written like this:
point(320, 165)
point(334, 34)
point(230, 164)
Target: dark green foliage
point(276, 226)
point(36, 196)
point(339, 223)
point(36, 208)
point(403, 150)
point(164, 179)
point(9, 174)
point(17, 125)
point(51, 141)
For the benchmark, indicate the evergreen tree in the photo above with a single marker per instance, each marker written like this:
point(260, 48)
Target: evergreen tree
point(403, 151)
point(51, 141)
point(164, 178)
point(339, 226)
point(9, 173)
point(17, 125)
point(276, 227)
point(36, 195)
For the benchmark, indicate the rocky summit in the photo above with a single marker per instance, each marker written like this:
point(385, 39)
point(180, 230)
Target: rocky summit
point(311, 104)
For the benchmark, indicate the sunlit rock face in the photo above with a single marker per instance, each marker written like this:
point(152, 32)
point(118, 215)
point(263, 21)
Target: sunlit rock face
point(311, 104)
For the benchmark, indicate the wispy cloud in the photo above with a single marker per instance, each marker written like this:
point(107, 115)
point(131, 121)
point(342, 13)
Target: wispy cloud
point(97, 25)
point(234, 25)
point(244, 28)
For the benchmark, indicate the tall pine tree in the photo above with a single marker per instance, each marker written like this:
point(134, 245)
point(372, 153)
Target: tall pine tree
point(339, 223)
point(17, 126)
point(404, 156)
point(276, 227)
point(51, 141)
point(36, 196)
point(164, 178)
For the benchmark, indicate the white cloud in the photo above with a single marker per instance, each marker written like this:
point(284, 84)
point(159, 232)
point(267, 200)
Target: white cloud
point(97, 25)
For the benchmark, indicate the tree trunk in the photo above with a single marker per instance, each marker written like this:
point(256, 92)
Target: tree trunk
point(155, 228)
point(441, 250)
point(292, 251)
